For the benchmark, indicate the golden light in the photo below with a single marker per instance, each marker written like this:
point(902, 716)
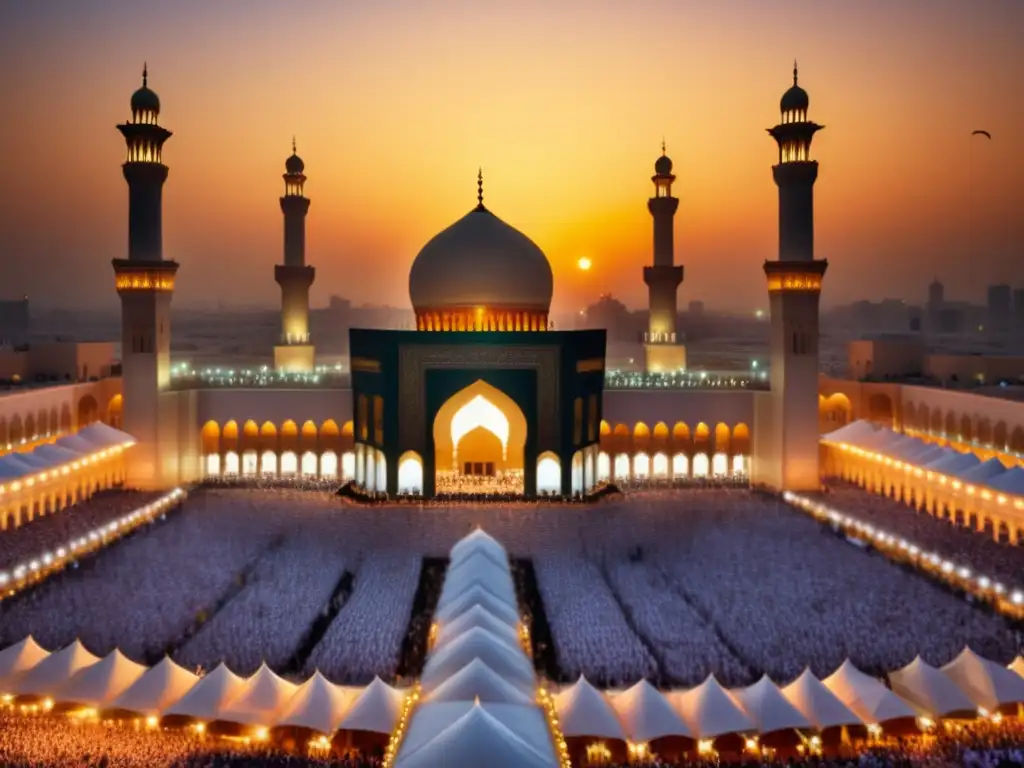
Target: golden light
point(705, 746)
point(261, 734)
point(583, 263)
point(151, 721)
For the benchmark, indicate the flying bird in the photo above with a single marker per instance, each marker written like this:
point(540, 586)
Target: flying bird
point(986, 134)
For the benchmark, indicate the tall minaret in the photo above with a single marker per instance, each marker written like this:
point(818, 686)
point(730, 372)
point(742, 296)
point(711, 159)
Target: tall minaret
point(294, 353)
point(145, 283)
point(663, 348)
point(790, 460)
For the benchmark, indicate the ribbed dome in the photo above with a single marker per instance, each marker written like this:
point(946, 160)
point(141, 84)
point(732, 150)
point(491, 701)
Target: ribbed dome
point(480, 261)
point(663, 165)
point(795, 98)
point(294, 164)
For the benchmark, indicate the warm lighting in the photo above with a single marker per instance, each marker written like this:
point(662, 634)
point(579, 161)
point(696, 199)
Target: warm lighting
point(924, 723)
point(637, 751)
point(794, 281)
point(144, 280)
point(199, 727)
point(706, 746)
point(750, 745)
point(584, 263)
point(261, 734)
point(152, 721)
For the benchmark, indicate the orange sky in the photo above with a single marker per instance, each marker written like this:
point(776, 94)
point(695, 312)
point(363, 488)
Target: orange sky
point(564, 104)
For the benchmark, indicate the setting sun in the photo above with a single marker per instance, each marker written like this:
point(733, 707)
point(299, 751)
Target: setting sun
point(583, 263)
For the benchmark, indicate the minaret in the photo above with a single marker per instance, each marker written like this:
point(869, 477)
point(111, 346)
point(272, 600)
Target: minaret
point(663, 348)
point(294, 353)
point(790, 459)
point(145, 283)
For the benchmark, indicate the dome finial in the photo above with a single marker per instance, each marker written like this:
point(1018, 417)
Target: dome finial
point(795, 73)
point(662, 146)
point(480, 188)
point(145, 74)
point(294, 150)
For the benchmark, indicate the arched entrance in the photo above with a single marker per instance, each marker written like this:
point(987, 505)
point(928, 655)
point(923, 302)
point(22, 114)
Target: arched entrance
point(479, 440)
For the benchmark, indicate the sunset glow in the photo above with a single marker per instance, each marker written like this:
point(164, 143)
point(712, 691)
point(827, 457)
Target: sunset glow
point(396, 103)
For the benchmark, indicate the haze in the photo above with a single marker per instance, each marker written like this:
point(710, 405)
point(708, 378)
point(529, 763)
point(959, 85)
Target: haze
point(564, 103)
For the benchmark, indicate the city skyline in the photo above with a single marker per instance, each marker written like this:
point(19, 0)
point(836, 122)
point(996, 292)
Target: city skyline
point(567, 136)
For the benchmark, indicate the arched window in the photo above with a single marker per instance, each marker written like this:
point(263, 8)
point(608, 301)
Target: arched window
point(309, 464)
point(701, 465)
point(329, 465)
point(231, 464)
point(604, 467)
point(549, 474)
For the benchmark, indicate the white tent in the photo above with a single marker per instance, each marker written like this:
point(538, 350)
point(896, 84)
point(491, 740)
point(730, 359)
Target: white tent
point(710, 711)
point(478, 595)
point(585, 711)
point(264, 696)
point(942, 456)
point(932, 453)
point(210, 696)
point(866, 697)
point(18, 659)
point(853, 433)
point(10, 469)
point(1011, 481)
point(984, 473)
point(478, 569)
point(646, 714)
point(318, 704)
point(508, 661)
point(477, 616)
point(376, 709)
point(56, 455)
point(818, 704)
point(76, 444)
point(930, 690)
point(478, 541)
point(987, 684)
point(955, 464)
point(912, 452)
point(768, 709)
point(475, 681)
point(476, 740)
point(99, 684)
point(53, 671)
point(156, 689)
point(104, 436)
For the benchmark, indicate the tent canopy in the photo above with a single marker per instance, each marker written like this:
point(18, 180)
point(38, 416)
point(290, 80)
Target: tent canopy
point(508, 661)
point(478, 595)
point(264, 696)
point(866, 697)
point(53, 671)
point(318, 705)
point(985, 683)
point(477, 616)
point(767, 708)
point(818, 704)
point(646, 714)
point(375, 710)
point(156, 689)
point(585, 711)
point(19, 659)
point(710, 711)
point(930, 690)
point(210, 696)
point(477, 681)
point(99, 684)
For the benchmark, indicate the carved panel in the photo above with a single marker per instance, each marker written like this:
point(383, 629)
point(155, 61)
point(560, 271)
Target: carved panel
point(416, 360)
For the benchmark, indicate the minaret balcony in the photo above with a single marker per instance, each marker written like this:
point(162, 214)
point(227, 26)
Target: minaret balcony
point(653, 337)
point(663, 274)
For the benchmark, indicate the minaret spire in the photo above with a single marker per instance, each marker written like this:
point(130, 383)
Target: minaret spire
point(145, 74)
point(480, 189)
point(294, 149)
point(294, 352)
point(795, 72)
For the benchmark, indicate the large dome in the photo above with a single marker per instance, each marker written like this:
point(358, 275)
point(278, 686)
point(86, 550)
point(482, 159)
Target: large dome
point(480, 261)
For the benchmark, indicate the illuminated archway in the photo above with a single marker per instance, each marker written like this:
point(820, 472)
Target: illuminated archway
point(641, 466)
point(212, 468)
point(549, 474)
point(115, 409)
point(329, 466)
point(268, 464)
point(659, 465)
point(309, 464)
point(370, 470)
point(739, 465)
point(250, 464)
point(479, 439)
point(231, 464)
point(410, 473)
point(701, 465)
point(577, 472)
point(622, 467)
point(348, 465)
point(720, 465)
point(289, 464)
point(604, 467)
point(680, 465)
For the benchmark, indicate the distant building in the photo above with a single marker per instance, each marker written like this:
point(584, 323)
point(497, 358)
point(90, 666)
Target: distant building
point(14, 322)
point(904, 357)
point(696, 308)
point(1000, 308)
point(57, 361)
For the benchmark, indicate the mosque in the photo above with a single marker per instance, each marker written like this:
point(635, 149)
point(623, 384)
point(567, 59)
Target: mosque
point(484, 387)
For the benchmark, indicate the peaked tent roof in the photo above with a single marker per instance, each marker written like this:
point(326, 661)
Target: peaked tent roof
point(478, 595)
point(646, 714)
point(984, 472)
point(57, 455)
point(477, 681)
point(156, 689)
point(264, 696)
point(477, 616)
point(376, 709)
point(104, 436)
point(508, 661)
point(76, 444)
point(209, 696)
point(585, 711)
point(767, 708)
point(984, 682)
point(1011, 481)
point(868, 698)
point(54, 670)
point(479, 569)
point(854, 433)
point(99, 684)
point(478, 541)
point(931, 690)
point(818, 704)
point(931, 454)
point(475, 740)
point(318, 704)
point(1017, 665)
point(955, 464)
point(710, 711)
point(18, 659)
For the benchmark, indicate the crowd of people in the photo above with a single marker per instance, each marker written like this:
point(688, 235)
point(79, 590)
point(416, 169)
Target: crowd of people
point(508, 483)
point(60, 742)
point(974, 549)
point(665, 584)
point(34, 538)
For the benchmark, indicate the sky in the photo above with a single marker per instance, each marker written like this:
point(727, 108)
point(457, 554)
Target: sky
point(564, 103)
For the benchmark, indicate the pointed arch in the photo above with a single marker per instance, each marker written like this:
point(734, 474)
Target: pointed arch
point(702, 437)
point(741, 440)
point(722, 437)
point(210, 436)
